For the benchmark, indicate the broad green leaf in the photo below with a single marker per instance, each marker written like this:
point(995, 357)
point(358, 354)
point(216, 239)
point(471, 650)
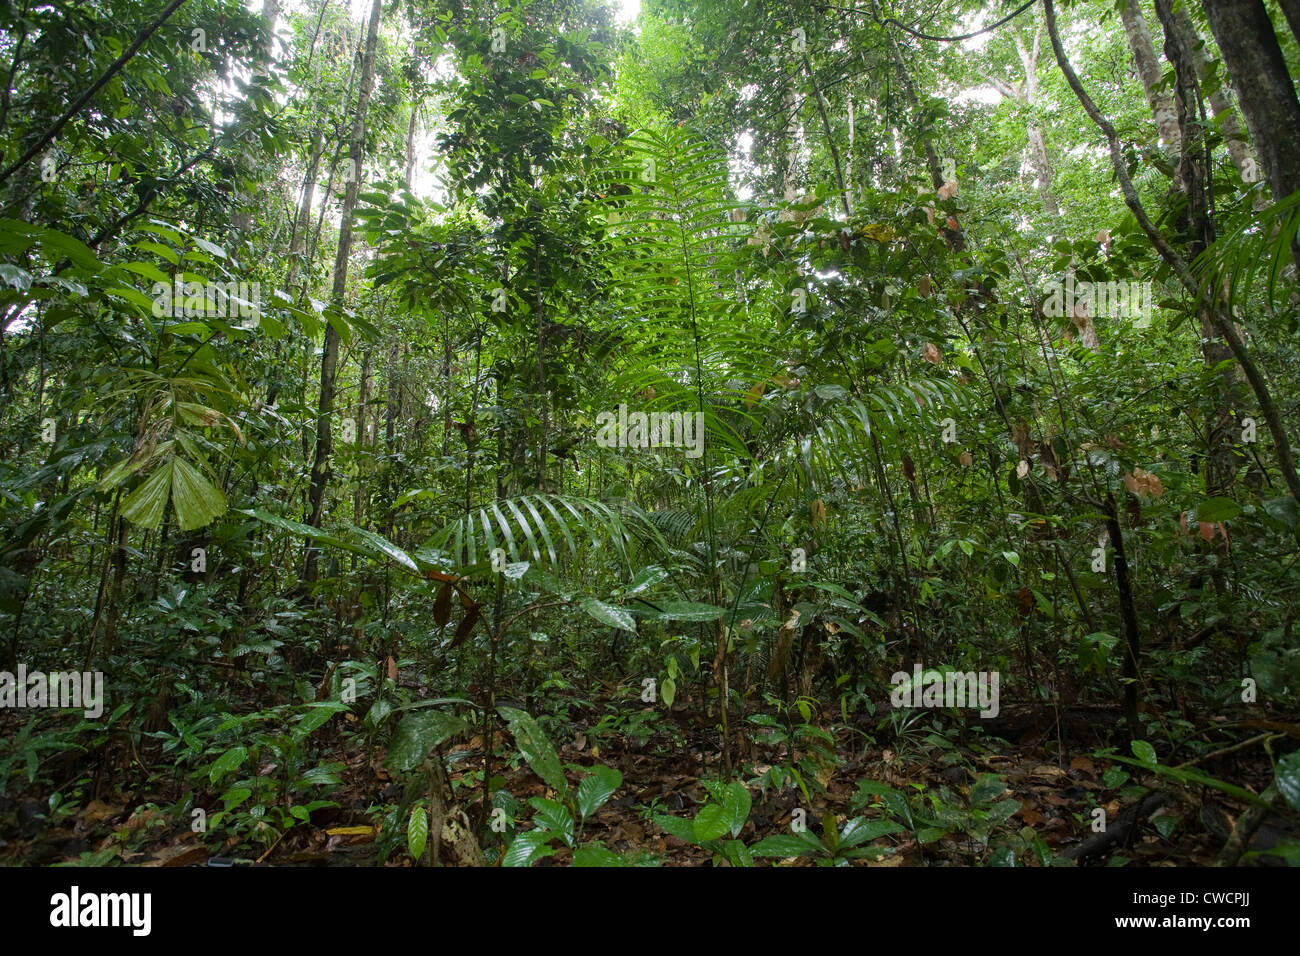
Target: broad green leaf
point(19, 279)
point(645, 578)
point(1003, 856)
point(1288, 778)
point(536, 749)
point(307, 531)
point(1217, 509)
point(149, 271)
point(72, 248)
point(417, 831)
point(553, 816)
point(737, 854)
point(609, 615)
point(209, 247)
point(1144, 751)
point(1284, 510)
point(596, 855)
point(317, 776)
point(689, 611)
point(318, 714)
point(736, 806)
point(379, 543)
point(529, 847)
point(229, 761)
point(892, 799)
point(860, 830)
point(596, 788)
point(987, 787)
point(785, 845)
point(711, 822)
point(197, 501)
point(418, 733)
point(681, 828)
point(145, 505)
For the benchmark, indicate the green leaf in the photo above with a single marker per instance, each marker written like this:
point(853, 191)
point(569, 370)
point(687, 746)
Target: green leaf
point(645, 578)
point(1144, 752)
point(1217, 509)
point(736, 807)
point(132, 295)
point(318, 776)
point(536, 749)
point(554, 816)
point(596, 788)
point(417, 831)
point(711, 822)
point(594, 854)
point(317, 715)
point(145, 505)
point(892, 799)
point(987, 787)
point(229, 761)
point(316, 534)
point(1165, 824)
point(1288, 778)
point(379, 543)
point(197, 501)
point(149, 271)
point(419, 733)
point(861, 830)
point(683, 829)
point(72, 248)
point(689, 611)
point(208, 247)
point(668, 690)
point(783, 845)
point(610, 615)
point(529, 847)
point(1003, 856)
point(1284, 510)
point(737, 854)
point(19, 279)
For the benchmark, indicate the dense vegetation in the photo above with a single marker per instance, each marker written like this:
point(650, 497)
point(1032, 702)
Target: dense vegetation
point(473, 433)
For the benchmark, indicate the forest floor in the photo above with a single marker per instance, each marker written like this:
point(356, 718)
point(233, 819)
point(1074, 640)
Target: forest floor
point(1058, 798)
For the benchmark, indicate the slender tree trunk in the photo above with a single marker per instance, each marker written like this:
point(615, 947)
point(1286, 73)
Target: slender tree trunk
point(329, 359)
point(1194, 177)
point(1151, 75)
point(364, 437)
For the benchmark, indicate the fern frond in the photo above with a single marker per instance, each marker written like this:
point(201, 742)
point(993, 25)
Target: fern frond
point(530, 526)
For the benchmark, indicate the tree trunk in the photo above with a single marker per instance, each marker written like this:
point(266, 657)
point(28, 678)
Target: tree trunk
point(1268, 408)
point(1244, 32)
point(1193, 178)
point(1291, 10)
point(1224, 112)
point(329, 359)
point(1152, 77)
